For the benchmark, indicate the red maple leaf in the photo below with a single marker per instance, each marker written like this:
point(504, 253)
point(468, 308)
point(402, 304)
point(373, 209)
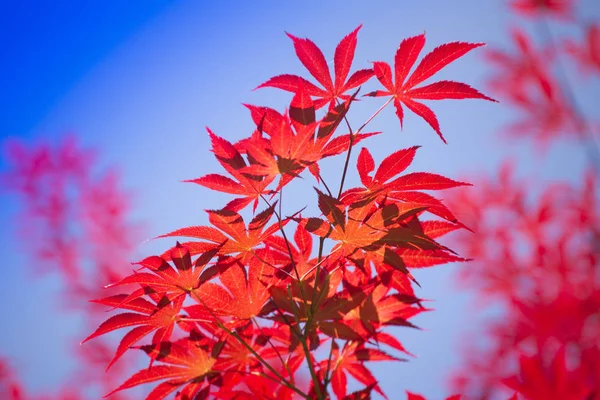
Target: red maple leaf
point(229, 234)
point(184, 364)
point(405, 188)
point(296, 141)
point(242, 294)
point(313, 59)
point(148, 318)
point(538, 382)
point(249, 187)
point(350, 361)
point(404, 91)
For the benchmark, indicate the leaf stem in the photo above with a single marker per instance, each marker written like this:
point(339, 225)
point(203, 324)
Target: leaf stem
point(327, 372)
point(352, 135)
point(285, 364)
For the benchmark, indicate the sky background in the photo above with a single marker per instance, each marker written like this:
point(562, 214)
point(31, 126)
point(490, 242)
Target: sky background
point(139, 81)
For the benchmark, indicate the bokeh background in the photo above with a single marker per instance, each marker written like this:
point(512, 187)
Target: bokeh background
point(139, 80)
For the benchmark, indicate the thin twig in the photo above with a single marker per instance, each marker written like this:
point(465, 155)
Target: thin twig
point(285, 364)
point(352, 135)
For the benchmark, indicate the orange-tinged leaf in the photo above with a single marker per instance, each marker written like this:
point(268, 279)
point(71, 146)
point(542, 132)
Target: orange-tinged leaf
point(185, 364)
point(395, 164)
point(427, 258)
point(424, 181)
point(435, 229)
point(365, 165)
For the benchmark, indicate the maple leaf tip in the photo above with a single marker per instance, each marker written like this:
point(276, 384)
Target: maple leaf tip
point(85, 340)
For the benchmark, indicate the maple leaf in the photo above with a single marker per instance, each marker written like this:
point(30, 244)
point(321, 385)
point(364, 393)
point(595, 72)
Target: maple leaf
point(184, 363)
point(363, 394)
point(249, 187)
point(314, 61)
point(524, 67)
point(300, 252)
point(536, 381)
point(244, 297)
point(164, 279)
point(261, 388)
point(382, 309)
point(405, 188)
point(404, 91)
point(350, 361)
point(229, 233)
point(436, 229)
point(329, 306)
point(150, 317)
point(297, 141)
point(359, 228)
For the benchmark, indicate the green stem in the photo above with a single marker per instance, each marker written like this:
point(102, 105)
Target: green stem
point(327, 373)
point(285, 364)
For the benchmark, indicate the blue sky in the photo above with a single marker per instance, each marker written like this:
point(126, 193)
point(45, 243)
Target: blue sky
point(139, 80)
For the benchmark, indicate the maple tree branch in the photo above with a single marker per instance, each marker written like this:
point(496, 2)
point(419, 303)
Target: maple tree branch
point(318, 264)
point(313, 373)
point(303, 338)
point(287, 244)
point(285, 238)
point(285, 364)
point(327, 372)
point(325, 184)
point(352, 135)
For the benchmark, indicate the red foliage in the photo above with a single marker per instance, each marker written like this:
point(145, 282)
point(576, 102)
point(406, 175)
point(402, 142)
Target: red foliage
point(74, 222)
point(524, 78)
point(587, 54)
point(253, 305)
point(10, 387)
point(539, 258)
point(246, 310)
point(537, 248)
point(403, 91)
point(562, 9)
point(314, 61)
